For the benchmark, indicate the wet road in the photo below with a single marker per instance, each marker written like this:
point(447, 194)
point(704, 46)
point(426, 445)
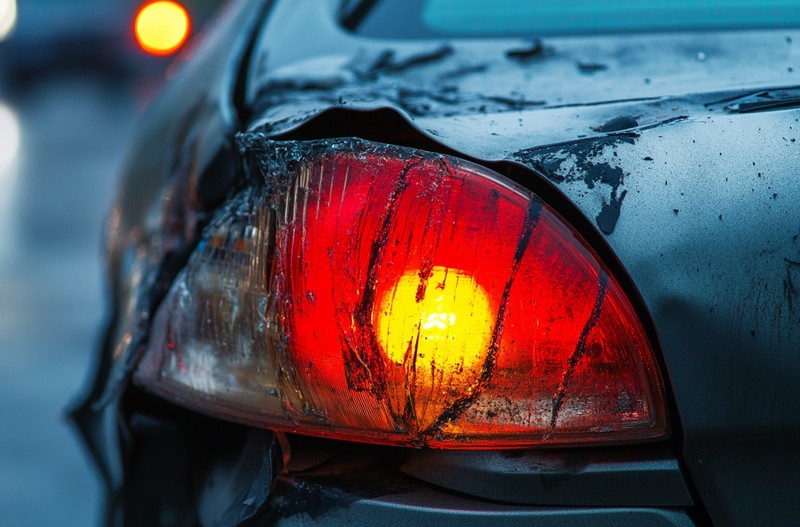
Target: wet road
point(54, 193)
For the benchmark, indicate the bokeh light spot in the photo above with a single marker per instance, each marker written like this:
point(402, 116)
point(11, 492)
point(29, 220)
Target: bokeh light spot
point(162, 27)
point(8, 17)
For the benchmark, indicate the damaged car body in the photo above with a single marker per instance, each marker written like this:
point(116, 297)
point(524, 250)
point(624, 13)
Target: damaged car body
point(390, 275)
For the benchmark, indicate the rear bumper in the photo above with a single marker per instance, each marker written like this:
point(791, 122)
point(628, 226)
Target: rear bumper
point(335, 483)
point(300, 501)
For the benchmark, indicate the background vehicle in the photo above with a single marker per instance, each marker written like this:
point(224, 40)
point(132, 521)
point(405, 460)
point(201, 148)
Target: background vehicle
point(668, 153)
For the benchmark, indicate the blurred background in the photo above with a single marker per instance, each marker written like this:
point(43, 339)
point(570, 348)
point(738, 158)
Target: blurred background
point(74, 77)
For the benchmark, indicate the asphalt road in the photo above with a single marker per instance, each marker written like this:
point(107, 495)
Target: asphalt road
point(54, 192)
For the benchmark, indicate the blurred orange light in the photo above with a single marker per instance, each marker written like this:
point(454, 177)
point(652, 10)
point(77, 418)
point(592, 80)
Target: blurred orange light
point(162, 27)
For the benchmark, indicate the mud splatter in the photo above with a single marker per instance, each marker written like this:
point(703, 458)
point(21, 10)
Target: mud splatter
point(591, 67)
point(617, 124)
point(392, 61)
point(514, 103)
point(791, 283)
point(584, 160)
point(463, 71)
point(609, 213)
point(533, 51)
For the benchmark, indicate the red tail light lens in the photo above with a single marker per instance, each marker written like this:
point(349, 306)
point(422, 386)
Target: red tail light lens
point(374, 293)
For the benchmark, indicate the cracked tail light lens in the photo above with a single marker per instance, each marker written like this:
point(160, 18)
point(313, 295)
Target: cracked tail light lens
point(373, 293)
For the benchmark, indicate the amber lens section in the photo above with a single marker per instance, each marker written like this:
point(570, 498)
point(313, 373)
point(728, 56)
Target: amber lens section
point(373, 293)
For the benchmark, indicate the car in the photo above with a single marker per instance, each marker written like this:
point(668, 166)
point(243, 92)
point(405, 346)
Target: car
point(460, 263)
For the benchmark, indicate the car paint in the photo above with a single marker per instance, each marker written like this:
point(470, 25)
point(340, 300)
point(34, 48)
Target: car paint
point(674, 154)
point(705, 195)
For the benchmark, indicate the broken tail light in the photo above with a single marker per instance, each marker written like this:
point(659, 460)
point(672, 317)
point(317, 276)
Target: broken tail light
point(375, 293)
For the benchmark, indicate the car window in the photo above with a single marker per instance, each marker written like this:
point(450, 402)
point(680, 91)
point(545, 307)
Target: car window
point(430, 18)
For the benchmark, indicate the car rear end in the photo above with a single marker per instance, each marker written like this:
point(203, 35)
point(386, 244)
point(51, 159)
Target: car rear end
point(496, 280)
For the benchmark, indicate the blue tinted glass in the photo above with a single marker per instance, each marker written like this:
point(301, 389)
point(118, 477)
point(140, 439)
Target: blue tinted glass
point(592, 16)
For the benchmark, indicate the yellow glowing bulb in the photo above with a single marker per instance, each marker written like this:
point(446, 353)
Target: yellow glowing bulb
point(443, 322)
point(162, 27)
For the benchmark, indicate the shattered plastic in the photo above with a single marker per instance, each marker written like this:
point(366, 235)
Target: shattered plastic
point(370, 292)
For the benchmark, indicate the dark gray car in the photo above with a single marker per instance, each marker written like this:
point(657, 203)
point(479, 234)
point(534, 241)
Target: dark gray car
point(625, 174)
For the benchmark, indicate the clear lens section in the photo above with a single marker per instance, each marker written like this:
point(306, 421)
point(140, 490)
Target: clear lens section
point(373, 293)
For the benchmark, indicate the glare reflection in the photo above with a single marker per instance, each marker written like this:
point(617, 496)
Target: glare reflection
point(9, 148)
point(8, 17)
point(9, 136)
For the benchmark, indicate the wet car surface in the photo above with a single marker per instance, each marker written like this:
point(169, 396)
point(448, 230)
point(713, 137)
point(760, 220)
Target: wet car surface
point(673, 155)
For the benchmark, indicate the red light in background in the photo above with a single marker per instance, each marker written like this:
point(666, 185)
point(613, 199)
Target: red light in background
point(162, 27)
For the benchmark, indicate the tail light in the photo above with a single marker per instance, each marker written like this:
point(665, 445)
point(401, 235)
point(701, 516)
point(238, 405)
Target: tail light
point(373, 293)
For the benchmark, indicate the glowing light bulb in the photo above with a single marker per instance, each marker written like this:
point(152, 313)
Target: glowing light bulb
point(162, 27)
point(443, 321)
